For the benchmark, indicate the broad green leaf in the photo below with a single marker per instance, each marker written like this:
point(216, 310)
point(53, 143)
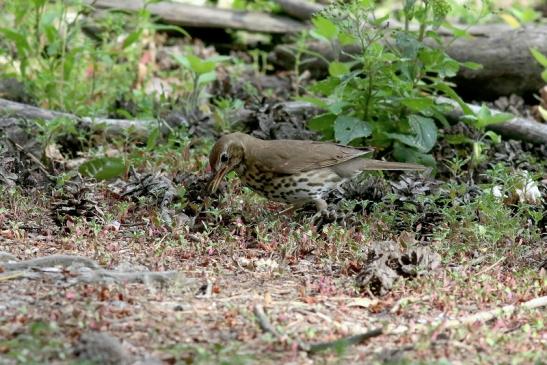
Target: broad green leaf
point(131, 38)
point(207, 78)
point(325, 28)
point(544, 75)
point(103, 168)
point(322, 122)
point(347, 128)
point(540, 57)
point(485, 117)
point(325, 87)
point(425, 134)
point(338, 69)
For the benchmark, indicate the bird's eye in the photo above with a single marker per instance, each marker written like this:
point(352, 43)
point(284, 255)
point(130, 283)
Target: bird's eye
point(224, 157)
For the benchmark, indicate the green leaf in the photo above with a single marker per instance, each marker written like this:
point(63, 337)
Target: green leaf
point(494, 137)
point(152, 139)
point(19, 40)
point(544, 75)
point(347, 128)
point(325, 87)
point(325, 28)
point(131, 38)
point(338, 69)
point(458, 139)
point(207, 78)
point(425, 134)
point(322, 122)
point(103, 168)
point(472, 65)
point(485, 117)
point(453, 95)
point(540, 57)
point(407, 154)
point(196, 64)
point(418, 104)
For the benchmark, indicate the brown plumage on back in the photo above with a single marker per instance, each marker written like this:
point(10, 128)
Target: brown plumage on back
point(292, 171)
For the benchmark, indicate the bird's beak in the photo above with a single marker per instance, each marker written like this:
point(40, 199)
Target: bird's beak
point(216, 180)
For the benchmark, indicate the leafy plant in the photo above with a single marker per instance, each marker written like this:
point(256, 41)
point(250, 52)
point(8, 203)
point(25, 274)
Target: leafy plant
point(64, 66)
point(202, 73)
point(385, 93)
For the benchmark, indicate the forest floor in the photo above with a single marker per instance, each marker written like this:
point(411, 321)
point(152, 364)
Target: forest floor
point(248, 255)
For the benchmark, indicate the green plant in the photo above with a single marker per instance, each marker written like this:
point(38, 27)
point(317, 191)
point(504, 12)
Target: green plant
point(64, 66)
point(387, 91)
point(202, 73)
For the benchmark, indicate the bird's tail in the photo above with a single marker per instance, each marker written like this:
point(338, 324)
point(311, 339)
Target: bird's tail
point(370, 164)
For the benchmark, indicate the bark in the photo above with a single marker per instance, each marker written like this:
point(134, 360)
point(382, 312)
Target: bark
point(508, 66)
point(111, 127)
point(519, 128)
point(299, 9)
point(186, 15)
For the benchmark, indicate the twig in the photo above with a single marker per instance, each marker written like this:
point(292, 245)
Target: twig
point(491, 314)
point(266, 326)
point(477, 317)
point(485, 270)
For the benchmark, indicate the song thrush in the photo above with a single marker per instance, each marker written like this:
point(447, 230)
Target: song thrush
point(292, 171)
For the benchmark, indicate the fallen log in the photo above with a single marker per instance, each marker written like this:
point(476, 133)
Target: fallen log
point(299, 9)
point(508, 66)
point(518, 128)
point(186, 15)
point(112, 127)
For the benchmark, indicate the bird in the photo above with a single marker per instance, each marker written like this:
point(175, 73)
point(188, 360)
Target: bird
point(295, 172)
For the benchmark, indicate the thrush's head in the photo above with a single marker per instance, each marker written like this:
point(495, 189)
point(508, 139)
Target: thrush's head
point(225, 156)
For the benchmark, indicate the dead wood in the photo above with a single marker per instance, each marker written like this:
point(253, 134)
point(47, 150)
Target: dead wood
point(50, 261)
point(518, 128)
point(508, 66)
point(186, 15)
point(111, 127)
point(87, 269)
point(266, 326)
point(299, 9)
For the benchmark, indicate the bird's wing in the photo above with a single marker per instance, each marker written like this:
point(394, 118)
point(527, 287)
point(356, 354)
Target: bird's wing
point(291, 156)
